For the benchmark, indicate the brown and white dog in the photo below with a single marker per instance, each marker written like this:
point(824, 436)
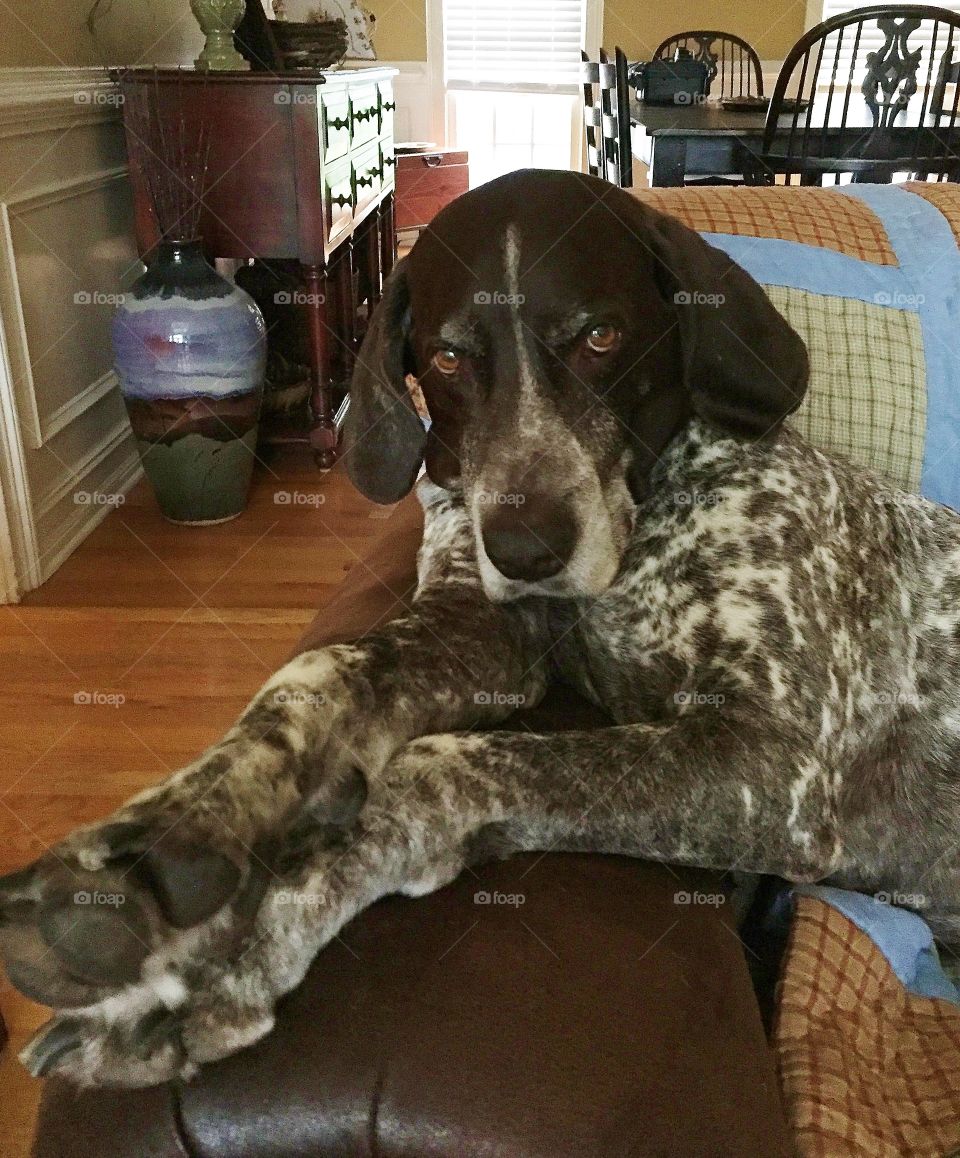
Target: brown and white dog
point(612, 501)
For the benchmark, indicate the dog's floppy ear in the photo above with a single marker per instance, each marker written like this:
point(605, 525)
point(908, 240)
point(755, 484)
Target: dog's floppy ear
point(746, 369)
point(384, 438)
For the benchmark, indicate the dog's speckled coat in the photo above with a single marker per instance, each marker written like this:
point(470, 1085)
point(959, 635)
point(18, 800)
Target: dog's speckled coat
point(774, 633)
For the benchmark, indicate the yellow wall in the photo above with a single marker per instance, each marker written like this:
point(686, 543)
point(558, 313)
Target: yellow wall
point(164, 32)
point(637, 26)
point(771, 26)
point(401, 32)
point(51, 32)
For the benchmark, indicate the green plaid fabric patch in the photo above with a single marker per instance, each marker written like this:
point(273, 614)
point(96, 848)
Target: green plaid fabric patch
point(867, 397)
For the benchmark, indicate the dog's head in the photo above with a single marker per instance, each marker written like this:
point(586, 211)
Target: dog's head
point(563, 333)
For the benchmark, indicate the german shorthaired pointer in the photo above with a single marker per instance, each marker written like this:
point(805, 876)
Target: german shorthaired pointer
point(612, 501)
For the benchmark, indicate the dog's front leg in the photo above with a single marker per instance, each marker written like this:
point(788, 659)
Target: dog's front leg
point(177, 870)
point(696, 793)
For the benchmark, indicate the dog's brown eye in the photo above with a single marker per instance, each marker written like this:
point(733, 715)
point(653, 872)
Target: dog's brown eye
point(446, 361)
point(602, 339)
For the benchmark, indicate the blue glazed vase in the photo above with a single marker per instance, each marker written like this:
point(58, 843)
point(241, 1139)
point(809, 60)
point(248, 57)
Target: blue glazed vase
point(190, 350)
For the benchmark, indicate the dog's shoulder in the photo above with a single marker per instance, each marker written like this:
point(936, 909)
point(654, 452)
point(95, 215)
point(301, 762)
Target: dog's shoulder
point(785, 500)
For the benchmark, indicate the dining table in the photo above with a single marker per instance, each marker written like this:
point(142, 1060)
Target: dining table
point(706, 138)
point(695, 140)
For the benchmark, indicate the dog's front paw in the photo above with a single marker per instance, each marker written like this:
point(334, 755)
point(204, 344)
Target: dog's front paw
point(149, 1034)
point(165, 881)
point(117, 902)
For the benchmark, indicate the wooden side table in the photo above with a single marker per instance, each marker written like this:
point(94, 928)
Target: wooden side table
point(299, 166)
point(428, 181)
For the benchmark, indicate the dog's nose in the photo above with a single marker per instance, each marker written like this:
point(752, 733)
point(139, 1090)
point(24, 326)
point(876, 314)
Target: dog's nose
point(529, 540)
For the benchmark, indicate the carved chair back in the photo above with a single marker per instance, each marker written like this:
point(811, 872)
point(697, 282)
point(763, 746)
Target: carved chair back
point(734, 67)
point(872, 94)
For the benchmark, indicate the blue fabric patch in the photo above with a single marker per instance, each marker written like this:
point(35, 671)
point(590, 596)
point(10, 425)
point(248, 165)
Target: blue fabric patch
point(901, 936)
point(926, 282)
point(773, 261)
point(923, 241)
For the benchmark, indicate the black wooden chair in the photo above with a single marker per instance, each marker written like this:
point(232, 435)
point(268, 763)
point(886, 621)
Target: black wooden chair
point(730, 59)
point(889, 71)
point(606, 116)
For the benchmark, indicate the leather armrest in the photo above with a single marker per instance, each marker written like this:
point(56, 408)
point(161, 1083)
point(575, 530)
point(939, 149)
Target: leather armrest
point(596, 1016)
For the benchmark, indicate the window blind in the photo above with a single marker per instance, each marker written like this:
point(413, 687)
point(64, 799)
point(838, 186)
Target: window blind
point(511, 43)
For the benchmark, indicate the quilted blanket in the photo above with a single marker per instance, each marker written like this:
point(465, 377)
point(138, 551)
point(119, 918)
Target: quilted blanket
point(869, 275)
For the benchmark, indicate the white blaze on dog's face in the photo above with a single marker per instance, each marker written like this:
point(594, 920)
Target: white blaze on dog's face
point(574, 547)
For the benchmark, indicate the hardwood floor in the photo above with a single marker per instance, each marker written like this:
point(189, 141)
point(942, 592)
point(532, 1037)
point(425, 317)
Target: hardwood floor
point(140, 650)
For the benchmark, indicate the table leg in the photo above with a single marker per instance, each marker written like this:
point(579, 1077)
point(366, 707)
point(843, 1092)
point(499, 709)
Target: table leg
point(372, 243)
point(388, 236)
point(323, 432)
point(668, 161)
point(348, 304)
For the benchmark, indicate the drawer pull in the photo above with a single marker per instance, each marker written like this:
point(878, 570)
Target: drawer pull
point(339, 123)
point(389, 162)
point(389, 106)
point(363, 115)
point(364, 180)
point(434, 161)
point(341, 199)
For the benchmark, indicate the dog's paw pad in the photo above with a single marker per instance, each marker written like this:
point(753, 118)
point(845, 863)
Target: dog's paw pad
point(69, 936)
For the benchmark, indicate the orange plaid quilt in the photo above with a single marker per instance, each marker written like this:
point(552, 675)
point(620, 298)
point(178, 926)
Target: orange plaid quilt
point(866, 1067)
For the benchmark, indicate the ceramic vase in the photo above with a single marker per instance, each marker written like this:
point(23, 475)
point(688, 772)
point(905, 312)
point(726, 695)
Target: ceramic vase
point(190, 350)
point(218, 19)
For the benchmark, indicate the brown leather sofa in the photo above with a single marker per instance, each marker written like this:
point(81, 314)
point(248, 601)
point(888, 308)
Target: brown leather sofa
point(598, 1018)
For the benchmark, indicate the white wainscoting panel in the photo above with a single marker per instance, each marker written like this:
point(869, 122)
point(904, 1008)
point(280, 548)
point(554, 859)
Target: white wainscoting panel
point(66, 251)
